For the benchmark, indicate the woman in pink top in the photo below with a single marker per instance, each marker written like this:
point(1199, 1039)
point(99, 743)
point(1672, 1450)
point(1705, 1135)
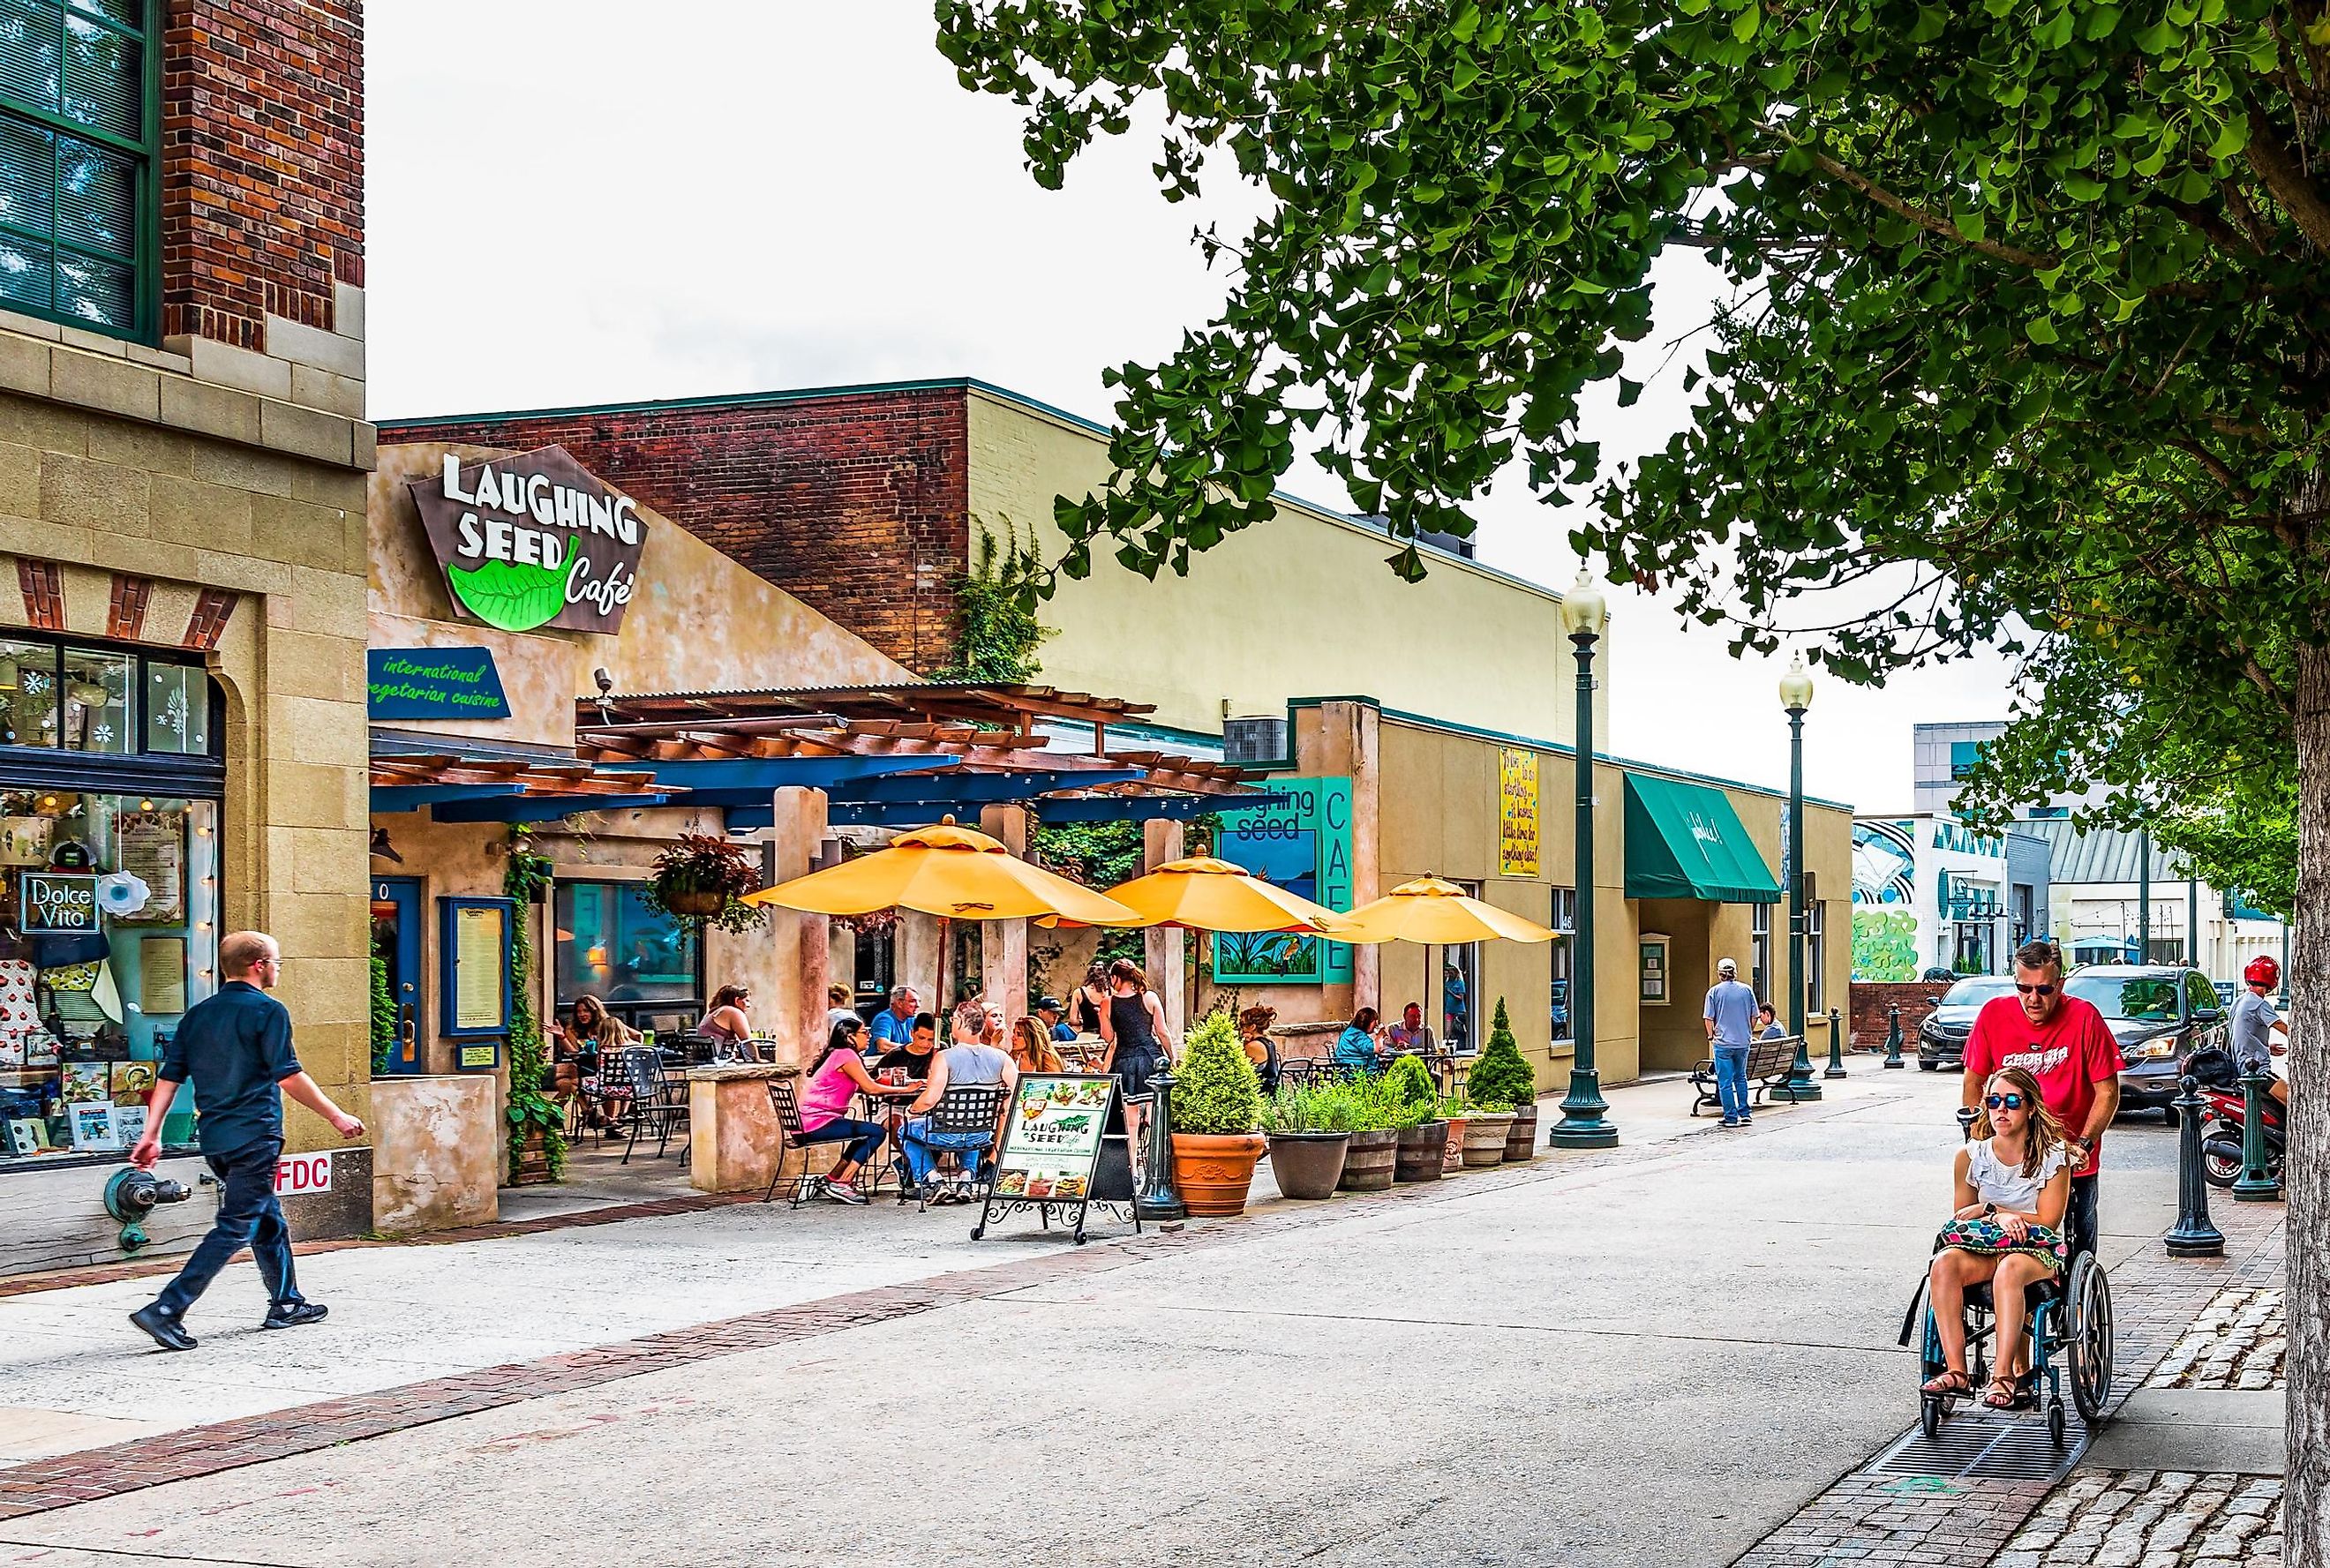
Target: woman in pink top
point(836, 1077)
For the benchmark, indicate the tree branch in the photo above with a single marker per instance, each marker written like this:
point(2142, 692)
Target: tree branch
point(1928, 221)
point(2291, 185)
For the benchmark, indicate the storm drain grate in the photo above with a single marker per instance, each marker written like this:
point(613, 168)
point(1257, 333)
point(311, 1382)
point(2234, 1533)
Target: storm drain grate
point(1986, 1446)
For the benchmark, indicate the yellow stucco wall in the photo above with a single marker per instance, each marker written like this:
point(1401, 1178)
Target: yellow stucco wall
point(1300, 606)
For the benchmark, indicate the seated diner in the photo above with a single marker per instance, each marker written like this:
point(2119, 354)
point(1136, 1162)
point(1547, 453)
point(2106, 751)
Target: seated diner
point(969, 1063)
point(913, 1059)
point(1356, 1045)
point(832, 1082)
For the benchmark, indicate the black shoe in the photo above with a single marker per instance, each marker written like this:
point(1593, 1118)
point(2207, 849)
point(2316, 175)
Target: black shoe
point(163, 1328)
point(292, 1314)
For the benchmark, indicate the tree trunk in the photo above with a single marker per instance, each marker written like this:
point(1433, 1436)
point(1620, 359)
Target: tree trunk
point(2307, 1500)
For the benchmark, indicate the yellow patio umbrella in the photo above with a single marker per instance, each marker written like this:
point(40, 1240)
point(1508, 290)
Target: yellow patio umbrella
point(1440, 915)
point(952, 872)
point(1201, 893)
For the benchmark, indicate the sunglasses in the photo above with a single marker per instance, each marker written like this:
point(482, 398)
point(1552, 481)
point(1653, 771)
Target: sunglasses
point(2005, 1102)
point(2034, 990)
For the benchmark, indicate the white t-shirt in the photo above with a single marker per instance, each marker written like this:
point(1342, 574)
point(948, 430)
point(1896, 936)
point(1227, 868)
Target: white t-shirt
point(1997, 1181)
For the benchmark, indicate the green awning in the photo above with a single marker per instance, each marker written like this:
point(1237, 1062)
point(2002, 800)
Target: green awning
point(1684, 841)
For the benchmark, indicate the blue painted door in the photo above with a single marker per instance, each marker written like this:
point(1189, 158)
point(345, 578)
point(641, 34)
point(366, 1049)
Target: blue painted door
point(396, 941)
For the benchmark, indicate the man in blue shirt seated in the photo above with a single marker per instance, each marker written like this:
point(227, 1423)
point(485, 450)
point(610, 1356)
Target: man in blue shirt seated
point(1047, 1013)
point(893, 1026)
point(235, 1048)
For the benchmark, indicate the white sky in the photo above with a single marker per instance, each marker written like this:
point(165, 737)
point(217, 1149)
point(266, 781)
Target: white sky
point(568, 208)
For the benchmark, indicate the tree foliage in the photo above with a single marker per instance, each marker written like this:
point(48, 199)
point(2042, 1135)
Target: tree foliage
point(1216, 1091)
point(997, 633)
point(1503, 1076)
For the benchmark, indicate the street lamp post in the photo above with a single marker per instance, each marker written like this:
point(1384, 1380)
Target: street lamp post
point(1584, 1122)
point(1795, 696)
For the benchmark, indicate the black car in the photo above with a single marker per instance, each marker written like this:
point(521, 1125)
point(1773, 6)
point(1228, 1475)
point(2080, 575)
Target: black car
point(2159, 1014)
point(1942, 1037)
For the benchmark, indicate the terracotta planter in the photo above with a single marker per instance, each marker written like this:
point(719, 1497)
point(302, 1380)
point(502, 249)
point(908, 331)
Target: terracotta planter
point(1453, 1157)
point(1520, 1142)
point(1370, 1161)
point(1485, 1137)
point(1212, 1173)
point(1307, 1165)
point(1423, 1150)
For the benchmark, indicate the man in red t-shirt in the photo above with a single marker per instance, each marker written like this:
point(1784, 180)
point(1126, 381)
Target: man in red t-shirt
point(2065, 1044)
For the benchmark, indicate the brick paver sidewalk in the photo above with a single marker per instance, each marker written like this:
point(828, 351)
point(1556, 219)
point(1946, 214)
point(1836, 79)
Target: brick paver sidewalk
point(2148, 1519)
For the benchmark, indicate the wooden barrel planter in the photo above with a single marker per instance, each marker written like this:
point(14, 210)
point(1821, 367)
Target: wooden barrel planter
point(1423, 1150)
point(1520, 1142)
point(1371, 1161)
point(1485, 1138)
point(1307, 1165)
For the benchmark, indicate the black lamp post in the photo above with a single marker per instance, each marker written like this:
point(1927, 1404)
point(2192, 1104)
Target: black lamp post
point(1584, 1122)
point(1795, 696)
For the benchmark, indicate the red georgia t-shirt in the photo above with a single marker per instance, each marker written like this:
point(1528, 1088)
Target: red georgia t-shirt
point(2068, 1054)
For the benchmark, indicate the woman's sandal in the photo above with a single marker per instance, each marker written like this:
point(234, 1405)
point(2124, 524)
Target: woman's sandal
point(2003, 1395)
point(1948, 1383)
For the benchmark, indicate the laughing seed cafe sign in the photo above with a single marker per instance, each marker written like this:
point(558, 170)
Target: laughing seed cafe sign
point(533, 540)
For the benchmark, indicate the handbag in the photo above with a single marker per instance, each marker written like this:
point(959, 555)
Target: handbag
point(1987, 1238)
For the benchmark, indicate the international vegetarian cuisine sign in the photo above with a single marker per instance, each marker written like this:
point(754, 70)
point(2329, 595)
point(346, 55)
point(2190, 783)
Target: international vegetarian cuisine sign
point(533, 540)
point(1052, 1140)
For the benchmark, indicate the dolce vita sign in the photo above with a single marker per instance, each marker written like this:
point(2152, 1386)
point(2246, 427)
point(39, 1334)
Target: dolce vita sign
point(532, 540)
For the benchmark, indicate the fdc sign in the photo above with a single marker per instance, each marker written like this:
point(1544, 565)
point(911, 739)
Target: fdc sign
point(303, 1173)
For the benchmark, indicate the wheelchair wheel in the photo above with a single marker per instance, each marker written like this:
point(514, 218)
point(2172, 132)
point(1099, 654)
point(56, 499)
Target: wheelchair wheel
point(1932, 1410)
point(2088, 1338)
point(2056, 1425)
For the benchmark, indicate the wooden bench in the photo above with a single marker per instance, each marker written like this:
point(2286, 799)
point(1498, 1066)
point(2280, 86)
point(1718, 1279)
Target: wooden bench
point(1769, 1062)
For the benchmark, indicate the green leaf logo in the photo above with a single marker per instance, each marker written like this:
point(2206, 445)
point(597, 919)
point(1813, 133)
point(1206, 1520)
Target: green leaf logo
point(505, 594)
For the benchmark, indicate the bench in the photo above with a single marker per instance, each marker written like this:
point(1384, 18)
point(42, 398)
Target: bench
point(1769, 1062)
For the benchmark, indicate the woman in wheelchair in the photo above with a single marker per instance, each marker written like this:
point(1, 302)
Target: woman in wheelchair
point(2014, 1181)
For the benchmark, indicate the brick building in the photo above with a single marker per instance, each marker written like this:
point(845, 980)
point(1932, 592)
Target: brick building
point(182, 461)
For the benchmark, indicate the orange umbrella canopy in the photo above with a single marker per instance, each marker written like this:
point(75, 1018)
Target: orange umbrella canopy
point(954, 872)
point(1204, 894)
point(1438, 912)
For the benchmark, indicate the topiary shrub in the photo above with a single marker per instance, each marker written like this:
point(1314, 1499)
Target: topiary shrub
point(1409, 1082)
point(1503, 1076)
point(1215, 1090)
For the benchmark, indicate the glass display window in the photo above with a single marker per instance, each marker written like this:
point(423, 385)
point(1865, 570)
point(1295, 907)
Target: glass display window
point(609, 944)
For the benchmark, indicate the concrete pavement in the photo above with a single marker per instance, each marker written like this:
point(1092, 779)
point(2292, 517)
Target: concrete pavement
point(1650, 1356)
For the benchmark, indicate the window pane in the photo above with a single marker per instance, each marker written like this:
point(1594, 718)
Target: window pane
point(104, 83)
point(128, 13)
point(24, 273)
point(178, 710)
point(102, 292)
point(611, 945)
point(32, 33)
point(28, 694)
point(27, 174)
point(96, 198)
point(97, 700)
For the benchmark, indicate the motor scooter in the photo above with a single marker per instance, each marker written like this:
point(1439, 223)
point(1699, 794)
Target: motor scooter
point(2223, 1126)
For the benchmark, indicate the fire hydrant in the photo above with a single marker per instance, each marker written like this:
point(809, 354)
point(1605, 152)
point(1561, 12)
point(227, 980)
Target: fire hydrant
point(130, 1194)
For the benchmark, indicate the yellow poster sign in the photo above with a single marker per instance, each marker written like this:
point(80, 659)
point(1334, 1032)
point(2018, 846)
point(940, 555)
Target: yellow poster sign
point(1517, 813)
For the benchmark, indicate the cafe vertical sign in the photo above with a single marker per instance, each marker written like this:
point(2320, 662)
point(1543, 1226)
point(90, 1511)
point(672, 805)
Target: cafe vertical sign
point(532, 542)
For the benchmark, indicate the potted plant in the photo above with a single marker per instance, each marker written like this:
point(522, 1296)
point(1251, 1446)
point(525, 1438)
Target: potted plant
point(1486, 1123)
point(1423, 1136)
point(1309, 1129)
point(1216, 1110)
point(701, 881)
point(1371, 1160)
point(1503, 1076)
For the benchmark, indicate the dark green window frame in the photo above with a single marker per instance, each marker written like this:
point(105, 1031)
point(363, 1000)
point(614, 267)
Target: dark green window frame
point(143, 153)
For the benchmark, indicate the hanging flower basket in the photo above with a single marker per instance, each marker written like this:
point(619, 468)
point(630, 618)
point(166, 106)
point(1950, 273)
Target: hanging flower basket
point(879, 922)
point(701, 880)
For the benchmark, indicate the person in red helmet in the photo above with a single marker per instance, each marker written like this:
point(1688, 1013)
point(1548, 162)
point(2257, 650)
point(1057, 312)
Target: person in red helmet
point(2254, 1022)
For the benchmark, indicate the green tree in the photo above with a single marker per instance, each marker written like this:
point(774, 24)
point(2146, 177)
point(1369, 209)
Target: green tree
point(2030, 339)
point(1216, 1091)
point(1503, 1076)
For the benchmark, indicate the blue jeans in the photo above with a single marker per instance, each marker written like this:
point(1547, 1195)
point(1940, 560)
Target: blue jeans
point(247, 1216)
point(864, 1138)
point(1732, 1080)
point(922, 1148)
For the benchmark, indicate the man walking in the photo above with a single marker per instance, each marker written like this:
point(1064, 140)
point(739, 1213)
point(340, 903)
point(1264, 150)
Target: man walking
point(235, 1048)
point(1730, 1027)
point(2064, 1043)
point(2254, 1022)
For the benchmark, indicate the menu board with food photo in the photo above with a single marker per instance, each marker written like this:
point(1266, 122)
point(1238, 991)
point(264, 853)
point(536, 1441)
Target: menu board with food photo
point(1052, 1139)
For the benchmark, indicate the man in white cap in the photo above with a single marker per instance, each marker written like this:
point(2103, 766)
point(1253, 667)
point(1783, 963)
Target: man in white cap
point(1730, 1026)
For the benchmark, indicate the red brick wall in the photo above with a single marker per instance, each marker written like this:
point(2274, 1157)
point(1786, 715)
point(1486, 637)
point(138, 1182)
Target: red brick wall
point(262, 163)
point(834, 499)
point(1870, 1000)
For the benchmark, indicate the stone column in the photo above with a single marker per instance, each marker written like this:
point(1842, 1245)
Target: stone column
point(1003, 946)
point(1164, 946)
point(918, 958)
point(1346, 745)
point(802, 941)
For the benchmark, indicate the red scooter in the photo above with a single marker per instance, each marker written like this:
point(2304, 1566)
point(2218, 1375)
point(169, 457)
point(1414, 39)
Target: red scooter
point(2220, 1134)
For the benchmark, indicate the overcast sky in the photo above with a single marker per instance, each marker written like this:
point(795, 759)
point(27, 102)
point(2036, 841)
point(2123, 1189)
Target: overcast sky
point(567, 207)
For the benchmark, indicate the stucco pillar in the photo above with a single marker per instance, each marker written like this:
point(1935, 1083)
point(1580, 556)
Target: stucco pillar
point(802, 941)
point(917, 941)
point(1164, 946)
point(1003, 948)
point(1347, 746)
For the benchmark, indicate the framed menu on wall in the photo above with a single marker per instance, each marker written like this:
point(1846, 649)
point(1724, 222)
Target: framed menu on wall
point(153, 848)
point(473, 946)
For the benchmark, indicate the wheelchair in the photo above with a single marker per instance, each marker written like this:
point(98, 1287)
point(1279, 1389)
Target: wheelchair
point(2069, 1330)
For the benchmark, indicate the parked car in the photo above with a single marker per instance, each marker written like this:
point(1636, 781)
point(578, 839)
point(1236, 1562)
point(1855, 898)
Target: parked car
point(2159, 1014)
point(1942, 1037)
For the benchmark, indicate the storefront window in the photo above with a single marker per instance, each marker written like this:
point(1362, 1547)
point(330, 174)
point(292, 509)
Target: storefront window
point(1759, 948)
point(28, 694)
point(1460, 970)
point(178, 710)
point(1565, 920)
point(98, 690)
point(1815, 949)
point(612, 946)
point(109, 933)
point(82, 699)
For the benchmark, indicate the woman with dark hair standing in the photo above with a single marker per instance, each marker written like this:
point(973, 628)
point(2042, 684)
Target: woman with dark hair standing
point(833, 1079)
point(1092, 999)
point(1133, 1027)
